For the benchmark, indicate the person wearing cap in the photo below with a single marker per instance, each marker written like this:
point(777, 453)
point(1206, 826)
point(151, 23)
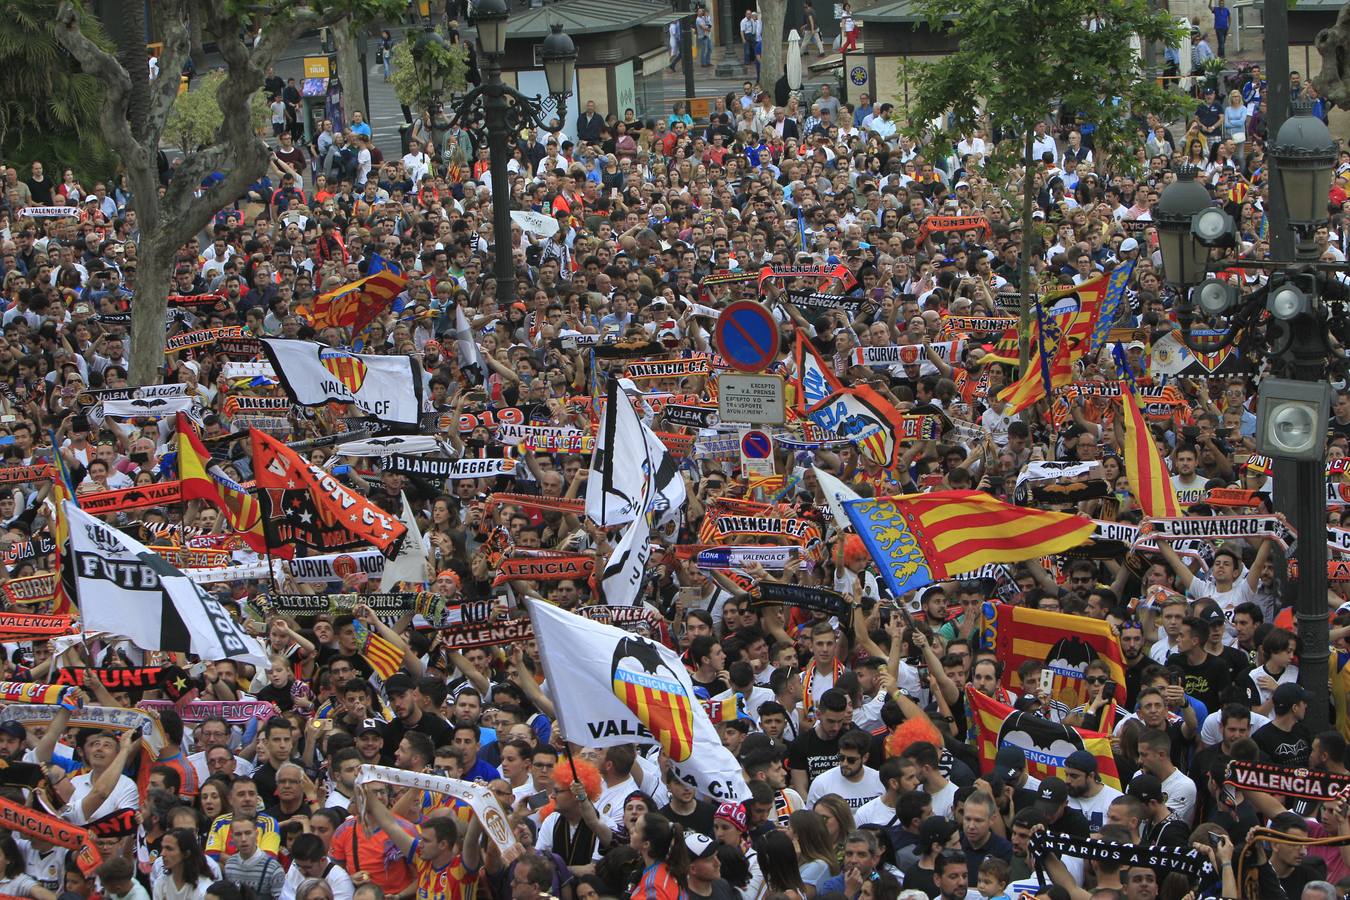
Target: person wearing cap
point(409, 715)
point(1087, 794)
point(1159, 827)
point(1010, 768)
point(1285, 740)
point(1052, 801)
point(13, 741)
point(704, 878)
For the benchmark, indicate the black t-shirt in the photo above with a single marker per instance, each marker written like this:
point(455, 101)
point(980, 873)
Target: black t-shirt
point(432, 726)
point(1312, 868)
point(718, 889)
point(700, 820)
point(1286, 748)
point(1206, 681)
point(920, 879)
point(813, 754)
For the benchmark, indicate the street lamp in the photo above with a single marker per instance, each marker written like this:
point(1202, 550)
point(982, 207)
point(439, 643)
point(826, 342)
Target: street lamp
point(1305, 157)
point(559, 55)
point(1285, 322)
point(500, 112)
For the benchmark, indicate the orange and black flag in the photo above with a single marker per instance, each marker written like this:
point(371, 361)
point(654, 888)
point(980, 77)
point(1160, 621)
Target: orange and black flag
point(304, 504)
point(241, 510)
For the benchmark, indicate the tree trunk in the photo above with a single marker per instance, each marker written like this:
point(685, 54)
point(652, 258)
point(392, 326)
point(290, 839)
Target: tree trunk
point(156, 255)
point(773, 13)
point(349, 40)
point(1024, 263)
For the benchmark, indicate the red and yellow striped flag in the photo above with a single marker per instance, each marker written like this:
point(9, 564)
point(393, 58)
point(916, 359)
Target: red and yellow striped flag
point(1057, 342)
point(1065, 644)
point(354, 305)
point(241, 509)
point(1046, 743)
point(1148, 473)
point(919, 539)
point(383, 656)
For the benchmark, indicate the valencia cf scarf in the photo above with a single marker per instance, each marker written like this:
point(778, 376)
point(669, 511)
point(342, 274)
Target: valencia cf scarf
point(305, 504)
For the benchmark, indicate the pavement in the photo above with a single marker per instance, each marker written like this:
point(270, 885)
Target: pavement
point(385, 115)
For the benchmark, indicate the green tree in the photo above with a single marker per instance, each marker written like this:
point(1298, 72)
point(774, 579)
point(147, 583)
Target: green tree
point(1017, 62)
point(49, 108)
point(418, 60)
point(196, 116)
point(134, 120)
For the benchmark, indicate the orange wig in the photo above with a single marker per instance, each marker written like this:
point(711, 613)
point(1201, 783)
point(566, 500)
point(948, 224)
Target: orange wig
point(911, 731)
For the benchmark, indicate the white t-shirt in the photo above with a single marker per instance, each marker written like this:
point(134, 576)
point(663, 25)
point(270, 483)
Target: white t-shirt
point(1240, 592)
point(943, 800)
point(610, 801)
point(855, 793)
point(1211, 730)
point(123, 796)
point(337, 878)
point(874, 812)
point(1180, 791)
point(1094, 808)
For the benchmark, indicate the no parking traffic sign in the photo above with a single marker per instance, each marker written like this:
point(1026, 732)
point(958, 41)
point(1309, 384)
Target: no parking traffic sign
point(756, 452)
point(746, 336)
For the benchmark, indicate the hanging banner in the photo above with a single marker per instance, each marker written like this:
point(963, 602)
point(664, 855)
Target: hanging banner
point(49, 212)
point(234, 574)
point(144, 392)
point(674, 368)
point(41, 545)
point(906, 354)
point(799, 596)
point(805, 299)
point(559, 443)
point(505, 631)
point(242, 348)
point(236, 404)
point(1305, 784)
point(516, 433)
point(163, 493)
point(838, 272)
point(236, 712)
point(953, 326)
point(557, 568)
point(26, 474)
point(202, 337)
point(31, 589)
point(690, 416)
point(1216, 527)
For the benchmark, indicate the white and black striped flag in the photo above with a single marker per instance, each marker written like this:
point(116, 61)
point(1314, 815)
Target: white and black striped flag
point(127, 589)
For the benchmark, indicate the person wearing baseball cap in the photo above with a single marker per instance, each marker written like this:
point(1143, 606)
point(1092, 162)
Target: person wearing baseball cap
point(1052, 801)
point(1285, 739)
point(1087, 794)
point(704, 878)
point(1160, 828)
point(13, 738)
point(1010, 766)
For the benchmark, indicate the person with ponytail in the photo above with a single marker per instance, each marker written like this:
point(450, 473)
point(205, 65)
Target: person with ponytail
point(665, 858)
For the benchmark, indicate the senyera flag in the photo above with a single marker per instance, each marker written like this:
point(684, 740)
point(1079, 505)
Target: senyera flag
point(1065, 644)
point(202, 482)
point(1046, 743)
point(918, 539)
point(611, 686)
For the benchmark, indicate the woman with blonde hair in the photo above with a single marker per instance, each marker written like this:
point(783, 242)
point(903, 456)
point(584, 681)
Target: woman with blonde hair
point(838, 821)
point(816, 858)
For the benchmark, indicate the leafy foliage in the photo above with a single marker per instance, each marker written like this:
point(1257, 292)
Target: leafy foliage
point(410, 81)
point(196, 116)
point(1017, 60)
point(48, 107)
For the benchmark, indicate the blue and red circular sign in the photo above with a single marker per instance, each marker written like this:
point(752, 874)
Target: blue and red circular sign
point(756, 445)
point(747, 336)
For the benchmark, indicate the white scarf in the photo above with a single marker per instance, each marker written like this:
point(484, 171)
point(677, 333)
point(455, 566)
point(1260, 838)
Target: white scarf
point(484, 804)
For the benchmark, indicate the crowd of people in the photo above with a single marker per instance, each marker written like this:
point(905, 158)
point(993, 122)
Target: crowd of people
point(856, 732)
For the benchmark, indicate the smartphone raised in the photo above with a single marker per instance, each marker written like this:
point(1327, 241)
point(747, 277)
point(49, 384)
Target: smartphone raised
point(537, 801)
point(1047, 680)
point(1109, 691)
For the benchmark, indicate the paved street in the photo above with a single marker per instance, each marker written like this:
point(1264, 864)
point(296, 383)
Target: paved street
point(386, 116)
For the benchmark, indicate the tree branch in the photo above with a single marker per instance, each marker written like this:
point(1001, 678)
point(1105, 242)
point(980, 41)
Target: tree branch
point(104, 66)
point(177, 40)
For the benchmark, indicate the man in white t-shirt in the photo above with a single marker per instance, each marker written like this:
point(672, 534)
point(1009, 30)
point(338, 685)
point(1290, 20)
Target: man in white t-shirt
point(616, 770)
point(103, 789)
point(1087, 794)
point(851, 779)
point(882, 810)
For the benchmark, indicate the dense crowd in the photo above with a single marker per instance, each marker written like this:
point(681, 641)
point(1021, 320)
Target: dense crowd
point(857, 732)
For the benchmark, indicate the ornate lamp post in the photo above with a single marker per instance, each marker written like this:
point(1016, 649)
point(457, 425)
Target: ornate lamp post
point(499, 112)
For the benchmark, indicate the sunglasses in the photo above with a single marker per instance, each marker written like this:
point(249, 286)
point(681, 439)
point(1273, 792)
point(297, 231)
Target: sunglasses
point(1097, 679)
